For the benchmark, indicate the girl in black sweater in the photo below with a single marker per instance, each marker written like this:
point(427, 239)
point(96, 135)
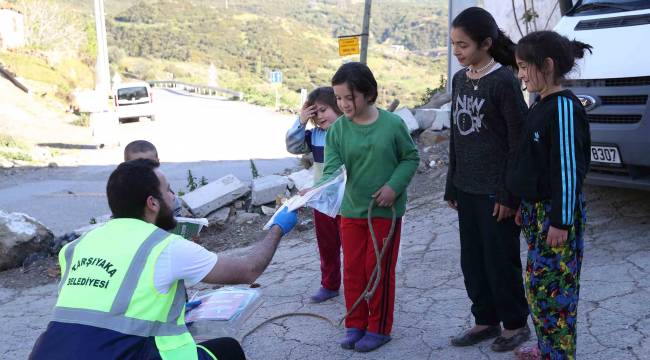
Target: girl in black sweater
point(488, 110)
point(553, 158)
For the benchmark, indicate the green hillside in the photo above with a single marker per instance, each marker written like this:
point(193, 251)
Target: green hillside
point(164, 39)
point(245, 41)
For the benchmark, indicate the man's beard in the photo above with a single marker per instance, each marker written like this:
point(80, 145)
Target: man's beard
point(165, 218)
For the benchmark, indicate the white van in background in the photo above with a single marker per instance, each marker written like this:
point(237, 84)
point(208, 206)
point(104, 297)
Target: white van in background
point(133, 100)
point(613, 85)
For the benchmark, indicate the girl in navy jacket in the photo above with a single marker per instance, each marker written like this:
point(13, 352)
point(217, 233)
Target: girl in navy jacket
point(552, 162)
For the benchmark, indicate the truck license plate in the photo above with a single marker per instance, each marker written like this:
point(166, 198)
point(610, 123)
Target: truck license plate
point(605, 154)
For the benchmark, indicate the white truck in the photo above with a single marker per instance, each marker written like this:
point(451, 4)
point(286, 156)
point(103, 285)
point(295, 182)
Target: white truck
point(614, 84)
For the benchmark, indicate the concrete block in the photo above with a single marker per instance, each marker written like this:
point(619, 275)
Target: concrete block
point(20, 236)
point(408, 118)
point(215, 195)
point(267, 188)
point(447, 118)
point(302, 179)
point(434, 119)
point(425, 117)
point(219, 217)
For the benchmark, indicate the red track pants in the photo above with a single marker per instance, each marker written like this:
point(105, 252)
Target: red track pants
point(329, 247)
point(359, 261)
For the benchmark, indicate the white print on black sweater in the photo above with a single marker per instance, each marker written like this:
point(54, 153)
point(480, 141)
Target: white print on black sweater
point(467, 114)
point(486, 126)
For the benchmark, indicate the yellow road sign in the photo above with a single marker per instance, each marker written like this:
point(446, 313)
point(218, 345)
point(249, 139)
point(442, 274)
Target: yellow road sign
point(348, 46)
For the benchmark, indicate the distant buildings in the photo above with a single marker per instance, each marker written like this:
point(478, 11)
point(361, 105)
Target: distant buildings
point(12, 27)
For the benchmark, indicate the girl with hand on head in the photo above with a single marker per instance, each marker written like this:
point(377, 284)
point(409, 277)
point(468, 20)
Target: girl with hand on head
point(380, 159)
point(553, 159)
point(488, 109)
point(321, 109)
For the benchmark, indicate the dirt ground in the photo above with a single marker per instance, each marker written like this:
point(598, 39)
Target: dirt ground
point(45, 128)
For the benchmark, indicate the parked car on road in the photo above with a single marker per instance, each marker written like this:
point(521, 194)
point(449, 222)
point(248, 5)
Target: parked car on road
point(133, 101)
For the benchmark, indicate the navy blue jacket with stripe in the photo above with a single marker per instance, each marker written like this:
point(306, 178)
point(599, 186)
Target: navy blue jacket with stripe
point(553, 156)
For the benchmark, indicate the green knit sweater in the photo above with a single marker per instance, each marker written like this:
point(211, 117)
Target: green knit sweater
point(374, 155)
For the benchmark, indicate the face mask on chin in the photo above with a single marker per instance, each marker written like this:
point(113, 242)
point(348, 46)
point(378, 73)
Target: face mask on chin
point(165, 219)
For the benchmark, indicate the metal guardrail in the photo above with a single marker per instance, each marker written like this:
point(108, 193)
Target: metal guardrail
point(197, 89)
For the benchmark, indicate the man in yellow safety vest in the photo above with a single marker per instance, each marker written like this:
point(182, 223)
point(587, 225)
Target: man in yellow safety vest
point(122, 289)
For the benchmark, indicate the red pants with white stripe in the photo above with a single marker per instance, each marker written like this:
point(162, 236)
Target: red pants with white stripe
point(329, 247)
point(359, 261)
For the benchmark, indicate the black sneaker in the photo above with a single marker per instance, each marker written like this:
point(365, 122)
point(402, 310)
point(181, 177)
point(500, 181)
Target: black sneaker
point(502, 344)
point(467, 338)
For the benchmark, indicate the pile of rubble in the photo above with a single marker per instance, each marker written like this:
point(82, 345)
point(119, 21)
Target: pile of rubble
point(229, 197)
point(429, 125)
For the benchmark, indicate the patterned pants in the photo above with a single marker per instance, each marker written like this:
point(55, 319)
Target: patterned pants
point(553, 279)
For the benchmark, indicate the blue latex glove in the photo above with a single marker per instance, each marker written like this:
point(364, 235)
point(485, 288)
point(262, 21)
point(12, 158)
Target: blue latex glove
point(191, 306)
point(286, 220)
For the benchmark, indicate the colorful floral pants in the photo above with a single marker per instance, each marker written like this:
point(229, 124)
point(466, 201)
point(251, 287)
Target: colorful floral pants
point(553, 279)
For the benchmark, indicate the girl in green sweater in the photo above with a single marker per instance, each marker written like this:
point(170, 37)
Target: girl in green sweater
point(380, 159)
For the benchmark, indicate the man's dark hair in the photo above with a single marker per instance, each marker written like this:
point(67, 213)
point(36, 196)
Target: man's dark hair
point(139, 146)
point(130, 185)
point(358, 77)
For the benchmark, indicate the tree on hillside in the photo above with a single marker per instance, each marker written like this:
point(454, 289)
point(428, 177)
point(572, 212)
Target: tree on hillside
point(52, 26)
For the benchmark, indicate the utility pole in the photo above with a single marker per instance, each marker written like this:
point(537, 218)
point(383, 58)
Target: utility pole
point(365, 32)
point(102, 73)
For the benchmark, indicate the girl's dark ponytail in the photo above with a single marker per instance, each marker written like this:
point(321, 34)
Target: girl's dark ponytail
point(479, 25)
point(538, 46)
point(579, 49)
point(503, 50)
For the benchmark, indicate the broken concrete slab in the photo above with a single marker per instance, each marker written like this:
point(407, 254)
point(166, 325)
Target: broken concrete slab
point(434, 119)
point(446, 120)
point(302, 179)
point(219, 217)
point(215, 195)
point(267, 188)
point(20, 236)
point(425, 117)
point(408, 118)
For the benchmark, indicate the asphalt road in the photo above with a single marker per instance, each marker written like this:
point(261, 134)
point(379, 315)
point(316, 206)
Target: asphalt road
point(210, 137)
